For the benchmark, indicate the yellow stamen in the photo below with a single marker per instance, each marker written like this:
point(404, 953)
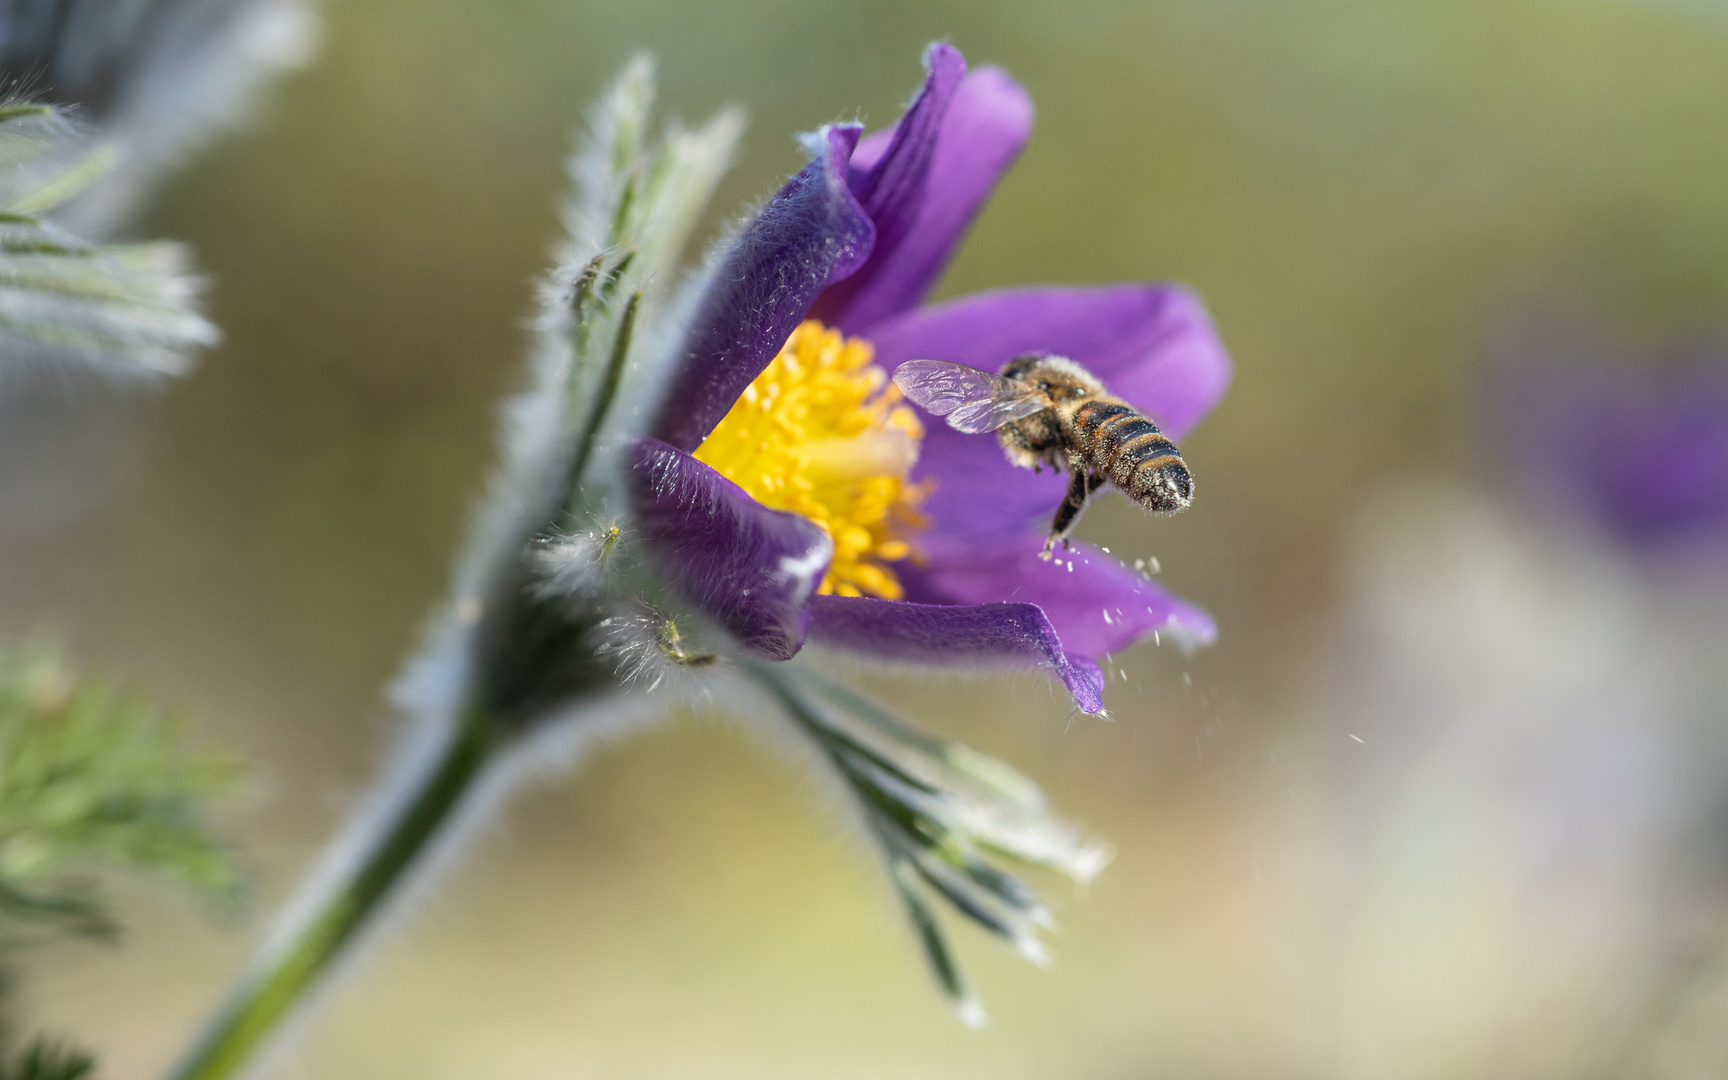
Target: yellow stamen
point(821, 432)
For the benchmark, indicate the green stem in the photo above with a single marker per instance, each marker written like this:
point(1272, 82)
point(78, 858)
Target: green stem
point(281, 979)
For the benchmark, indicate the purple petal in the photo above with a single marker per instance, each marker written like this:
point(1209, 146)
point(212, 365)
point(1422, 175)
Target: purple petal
point(925, 183)
point(870, 149)
point(890, 170)
point(1096, 604)
point(888, 179)
point(984, 635)
point(975, 493)
point(1153, 345)
point(750, 568)
point(811, 234)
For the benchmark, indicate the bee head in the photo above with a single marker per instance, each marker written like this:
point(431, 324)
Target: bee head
point(1058, 376)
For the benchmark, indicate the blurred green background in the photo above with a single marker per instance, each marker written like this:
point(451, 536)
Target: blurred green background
point(1362, 191)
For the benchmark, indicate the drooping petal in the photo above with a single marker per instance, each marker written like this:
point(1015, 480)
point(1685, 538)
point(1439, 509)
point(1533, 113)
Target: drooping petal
point(1096, 605)
point(1153, 345)
point(982, 635)
point(927, 185)
point(750, 568)
point(811, 234)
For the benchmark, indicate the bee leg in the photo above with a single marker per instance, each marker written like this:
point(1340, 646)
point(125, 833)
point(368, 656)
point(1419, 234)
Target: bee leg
point(1080, 488)
point(1092, 482)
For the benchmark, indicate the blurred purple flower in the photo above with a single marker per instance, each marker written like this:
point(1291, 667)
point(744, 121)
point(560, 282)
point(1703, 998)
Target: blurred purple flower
point(857, 240)
point(1639, 454)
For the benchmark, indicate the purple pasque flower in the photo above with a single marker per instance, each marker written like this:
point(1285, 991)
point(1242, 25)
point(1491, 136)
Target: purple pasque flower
point(716, 444)
point(1660, 480)
point(856, 241)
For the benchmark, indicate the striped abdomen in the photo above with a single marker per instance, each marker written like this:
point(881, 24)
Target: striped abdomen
point(1130, 451)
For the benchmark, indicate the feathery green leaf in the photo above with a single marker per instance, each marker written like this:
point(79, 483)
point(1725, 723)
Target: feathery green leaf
point(95, 775)
point(941, 813)
point(114, 309)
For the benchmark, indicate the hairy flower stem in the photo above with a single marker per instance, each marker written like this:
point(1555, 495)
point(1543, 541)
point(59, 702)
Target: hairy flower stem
point(284, 974)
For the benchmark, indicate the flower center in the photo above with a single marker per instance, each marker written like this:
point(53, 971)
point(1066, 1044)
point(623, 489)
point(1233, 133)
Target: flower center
point(821, 432)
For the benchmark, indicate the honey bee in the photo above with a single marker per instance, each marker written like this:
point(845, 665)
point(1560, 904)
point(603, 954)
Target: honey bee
point(1048, 410)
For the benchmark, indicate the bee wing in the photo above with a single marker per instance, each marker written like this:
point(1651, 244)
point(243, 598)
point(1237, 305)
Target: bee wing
point(974, 401)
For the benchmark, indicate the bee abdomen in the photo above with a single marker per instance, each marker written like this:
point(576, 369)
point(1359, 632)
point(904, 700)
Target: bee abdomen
point(1112, 436)
point(1092, 417)
point(1126, 444)
point(1135, 455)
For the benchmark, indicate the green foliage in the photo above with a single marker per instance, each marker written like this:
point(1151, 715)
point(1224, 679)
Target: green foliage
point(47, 1059)
point(64, 301)
point(93, 775)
